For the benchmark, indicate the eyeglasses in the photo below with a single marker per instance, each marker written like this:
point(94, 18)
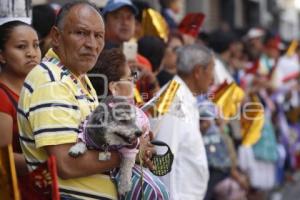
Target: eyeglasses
point(128, 79)
point(133, 78)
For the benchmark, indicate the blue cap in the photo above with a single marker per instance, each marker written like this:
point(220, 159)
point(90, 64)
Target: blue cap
point(113, 5)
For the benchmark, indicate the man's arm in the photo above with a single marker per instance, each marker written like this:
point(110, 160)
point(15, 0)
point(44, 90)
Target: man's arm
point(84, 165)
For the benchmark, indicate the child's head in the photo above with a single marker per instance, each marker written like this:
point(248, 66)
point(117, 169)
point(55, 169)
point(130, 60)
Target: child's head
point(207, 118)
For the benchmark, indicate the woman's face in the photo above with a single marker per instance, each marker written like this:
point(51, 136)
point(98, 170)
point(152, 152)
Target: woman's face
point(124, 87)
point(170, 56)
point(21, 51)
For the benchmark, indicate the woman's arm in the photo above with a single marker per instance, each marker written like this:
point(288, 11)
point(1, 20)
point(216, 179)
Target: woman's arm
point(20, 163)
point(6, 131)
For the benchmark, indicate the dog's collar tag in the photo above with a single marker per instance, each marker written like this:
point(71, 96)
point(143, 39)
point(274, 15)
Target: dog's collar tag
point(106, 155)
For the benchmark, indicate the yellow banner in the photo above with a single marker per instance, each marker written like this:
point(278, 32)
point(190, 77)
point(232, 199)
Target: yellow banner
point(252, 121)
point(154, 24)
point(228, 98)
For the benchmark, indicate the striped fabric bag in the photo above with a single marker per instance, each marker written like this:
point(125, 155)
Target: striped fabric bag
point(153, 188)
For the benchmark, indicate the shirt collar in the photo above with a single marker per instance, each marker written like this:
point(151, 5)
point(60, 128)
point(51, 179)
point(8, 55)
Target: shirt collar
point(51, 54)
point(184, 92)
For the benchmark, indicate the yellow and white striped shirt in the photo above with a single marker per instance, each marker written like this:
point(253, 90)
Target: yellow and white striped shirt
point(52, 105)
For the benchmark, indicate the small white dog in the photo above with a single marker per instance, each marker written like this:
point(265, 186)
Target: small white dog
point(112, 126)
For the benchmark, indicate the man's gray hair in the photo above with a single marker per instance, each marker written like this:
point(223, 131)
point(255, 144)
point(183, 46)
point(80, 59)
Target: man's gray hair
point(64, 11)
point(191, 55)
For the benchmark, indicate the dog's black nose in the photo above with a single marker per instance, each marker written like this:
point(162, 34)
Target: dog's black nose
point(138, 133)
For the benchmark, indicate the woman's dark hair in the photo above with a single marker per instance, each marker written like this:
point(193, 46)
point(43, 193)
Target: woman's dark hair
point(43, 18)
point(6, 29)
point(111, 63)
point(153, 48)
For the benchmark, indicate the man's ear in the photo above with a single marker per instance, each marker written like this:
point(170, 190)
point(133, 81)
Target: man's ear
point(197, 71)
point(55, 36)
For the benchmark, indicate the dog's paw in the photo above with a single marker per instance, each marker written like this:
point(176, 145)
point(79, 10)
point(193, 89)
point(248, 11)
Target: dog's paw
point(77, 149)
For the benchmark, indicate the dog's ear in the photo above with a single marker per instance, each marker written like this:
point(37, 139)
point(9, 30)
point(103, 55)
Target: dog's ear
point(99, 115)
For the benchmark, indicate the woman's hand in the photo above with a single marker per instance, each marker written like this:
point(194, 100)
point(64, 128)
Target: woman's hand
point(147, 150)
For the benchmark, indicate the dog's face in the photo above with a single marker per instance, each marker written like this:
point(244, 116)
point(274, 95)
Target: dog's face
point(114, 123)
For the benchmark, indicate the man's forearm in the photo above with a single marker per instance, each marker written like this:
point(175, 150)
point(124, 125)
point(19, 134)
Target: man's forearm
point(84, 165)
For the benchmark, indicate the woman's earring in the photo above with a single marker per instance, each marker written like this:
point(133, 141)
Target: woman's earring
point(113, 92)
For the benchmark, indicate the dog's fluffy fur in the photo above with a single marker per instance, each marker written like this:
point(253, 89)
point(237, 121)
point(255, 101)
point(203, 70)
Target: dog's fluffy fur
point(113, 124)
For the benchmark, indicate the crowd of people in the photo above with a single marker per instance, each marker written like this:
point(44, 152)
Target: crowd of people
point(55, 72)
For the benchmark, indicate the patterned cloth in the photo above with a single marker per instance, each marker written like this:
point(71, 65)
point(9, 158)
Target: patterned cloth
point(153, 188)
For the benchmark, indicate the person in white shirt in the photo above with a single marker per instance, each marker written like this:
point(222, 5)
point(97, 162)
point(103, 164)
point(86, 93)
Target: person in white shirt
point(179, 128)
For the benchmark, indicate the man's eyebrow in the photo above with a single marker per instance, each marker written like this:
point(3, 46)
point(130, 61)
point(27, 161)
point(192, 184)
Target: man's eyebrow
point(22, 40)
point(88, 29)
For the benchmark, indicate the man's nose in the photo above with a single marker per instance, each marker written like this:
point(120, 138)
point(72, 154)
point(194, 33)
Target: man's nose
point(92, 42)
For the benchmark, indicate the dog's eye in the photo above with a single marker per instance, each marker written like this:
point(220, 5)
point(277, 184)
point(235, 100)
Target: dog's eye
point(124, 120)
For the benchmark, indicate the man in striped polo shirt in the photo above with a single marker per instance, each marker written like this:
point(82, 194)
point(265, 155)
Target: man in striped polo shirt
point(57, 95)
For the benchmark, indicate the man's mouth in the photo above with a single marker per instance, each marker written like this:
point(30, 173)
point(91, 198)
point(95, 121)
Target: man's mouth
point(90, 56)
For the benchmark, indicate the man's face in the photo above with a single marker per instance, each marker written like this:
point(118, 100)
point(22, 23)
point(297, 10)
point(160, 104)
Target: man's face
point(120, 25)
point(81, 39)
point(205, 77)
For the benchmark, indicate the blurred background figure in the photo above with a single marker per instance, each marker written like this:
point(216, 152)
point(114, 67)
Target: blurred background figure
point(168, 66)
point(169, 9)
point(225, 180)
point(119, 17)
point(43, 18)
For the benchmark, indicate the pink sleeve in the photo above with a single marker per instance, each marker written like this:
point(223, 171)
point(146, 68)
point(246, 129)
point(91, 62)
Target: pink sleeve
point(142, 121)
